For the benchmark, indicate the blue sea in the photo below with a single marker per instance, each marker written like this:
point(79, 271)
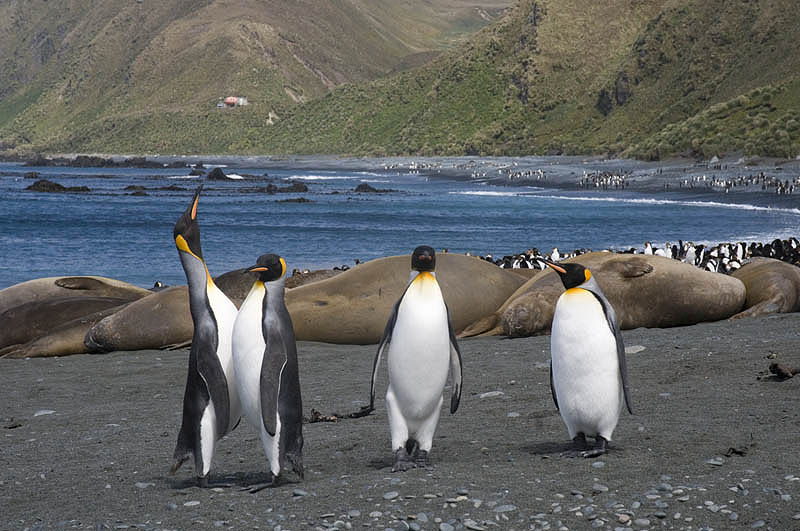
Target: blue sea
point(110, 232)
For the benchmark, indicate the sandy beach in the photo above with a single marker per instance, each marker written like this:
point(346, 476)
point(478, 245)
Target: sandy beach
point(87, 443)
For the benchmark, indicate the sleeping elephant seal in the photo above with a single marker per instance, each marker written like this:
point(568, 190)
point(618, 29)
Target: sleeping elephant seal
point(772, 286)
point(157, 321)
point(50, 287)
point(63, 340)
point(161, 319)
point(31, 320)
point(645, 290)
point(352, 307)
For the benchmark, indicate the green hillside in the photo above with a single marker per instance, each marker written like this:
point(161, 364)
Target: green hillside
point(645, 78)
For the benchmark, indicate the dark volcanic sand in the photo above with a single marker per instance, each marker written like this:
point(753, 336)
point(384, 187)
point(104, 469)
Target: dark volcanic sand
point(714, 443)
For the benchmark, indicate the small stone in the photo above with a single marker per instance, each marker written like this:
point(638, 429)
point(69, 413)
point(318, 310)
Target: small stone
point(796, 517)
point(143, 485)
point(353, 513)
point(786, 497)
point(422, 517)
point(391, 495)
point(597, 523)
point(444, 526)
point(623, 518)
point(172, 506)
point(715, 461)
point(192, 503)
point(299, 492)
point(513, 415)
point(473, 525)
point(634, 349)
point(375, 514)
point(598, 464)
point(660, 515)
point(641, 522)
point(733, 516)
point(491, 394)
point(757, 524)
point(676, 516)
point(462, 492)
point(505, 508)
point(597, 487)
point(683, 499)
point(636, 505)
point(43, 412)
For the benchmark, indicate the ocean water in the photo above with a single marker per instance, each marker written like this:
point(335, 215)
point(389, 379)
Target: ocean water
point(112, 233)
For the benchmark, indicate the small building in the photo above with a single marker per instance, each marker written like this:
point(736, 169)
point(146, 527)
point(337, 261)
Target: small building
point(233, 101)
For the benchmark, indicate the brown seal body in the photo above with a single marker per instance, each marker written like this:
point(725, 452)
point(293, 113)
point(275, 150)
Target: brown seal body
point(772, 286)
point(84, 286)
point(157, 321)
point(645, 291)
point(353, 307)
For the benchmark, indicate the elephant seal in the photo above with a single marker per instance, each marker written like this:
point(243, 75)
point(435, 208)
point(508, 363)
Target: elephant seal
point(63, 340)
point(159, 320)
point(31, 320)
point(353, 306)
point(84, 286)
point(349, 308)
point(645, 290)
point(772, 286)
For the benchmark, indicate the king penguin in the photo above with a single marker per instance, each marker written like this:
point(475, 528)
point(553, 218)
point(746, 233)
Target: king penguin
point(588, 375)
point(265, 361)
point(210, 403)
point(420, 344)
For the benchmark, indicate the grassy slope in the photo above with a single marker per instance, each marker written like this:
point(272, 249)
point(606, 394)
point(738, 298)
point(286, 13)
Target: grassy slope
point(77, 69)
point(677, 75)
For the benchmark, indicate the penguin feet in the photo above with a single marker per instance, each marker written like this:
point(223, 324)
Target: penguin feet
point(579, 441)
point(403, 461)
point(202, 482)
point(258, 487)
point(598, 450)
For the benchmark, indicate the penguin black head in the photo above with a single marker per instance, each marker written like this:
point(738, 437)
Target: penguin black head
point(423, 258)
point(187, 231)
point(572, 275)
point(269, 267)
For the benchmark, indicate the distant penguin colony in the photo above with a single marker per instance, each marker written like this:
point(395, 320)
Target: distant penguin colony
point(720, 258)
point(211, 401)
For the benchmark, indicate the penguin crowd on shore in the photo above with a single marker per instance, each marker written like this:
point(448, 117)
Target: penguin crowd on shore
point(723, 257)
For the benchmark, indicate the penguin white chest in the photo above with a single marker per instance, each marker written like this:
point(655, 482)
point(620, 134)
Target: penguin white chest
point(419, 351)
point(248, 353)
point(586, 374)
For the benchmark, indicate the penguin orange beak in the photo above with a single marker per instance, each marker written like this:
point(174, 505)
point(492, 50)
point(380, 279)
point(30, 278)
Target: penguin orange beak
point(257, 269)
point(555, 267)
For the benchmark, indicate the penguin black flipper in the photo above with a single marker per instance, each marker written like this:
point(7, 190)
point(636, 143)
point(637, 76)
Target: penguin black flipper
point(455, 365)
point(275, 359)
point(553, 387)
point(384, 343)
point(613, 324)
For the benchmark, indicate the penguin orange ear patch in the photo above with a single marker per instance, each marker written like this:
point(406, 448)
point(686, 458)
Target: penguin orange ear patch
point(587, 274)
